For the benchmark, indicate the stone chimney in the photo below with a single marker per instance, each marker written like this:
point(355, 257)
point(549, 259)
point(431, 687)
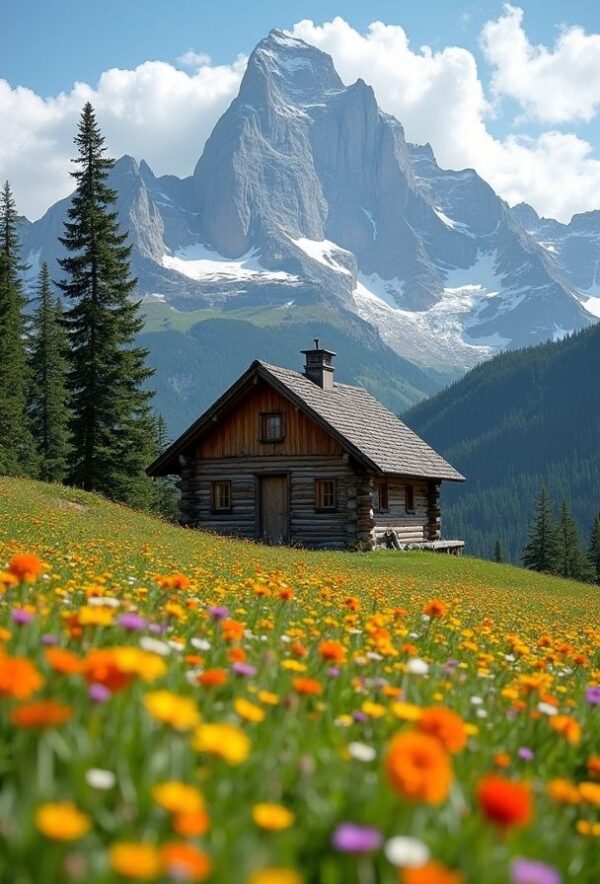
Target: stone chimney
point(318, 366)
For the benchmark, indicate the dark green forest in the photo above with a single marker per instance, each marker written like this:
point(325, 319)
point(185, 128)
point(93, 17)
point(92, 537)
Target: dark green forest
point(526, 419)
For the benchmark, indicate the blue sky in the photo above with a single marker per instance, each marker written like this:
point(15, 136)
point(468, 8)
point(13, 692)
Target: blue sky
point(52, 44)
point(513, 124)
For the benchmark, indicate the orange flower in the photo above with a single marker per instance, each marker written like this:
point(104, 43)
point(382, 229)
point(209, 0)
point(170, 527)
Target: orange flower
point(63, 661)
point(44, 713)
point(232, 630)
point(286, 594)
point(332, 650)
point(101, 667)
point(567, 727)
point(418, 768)
point(435, 608)
point(133, 859)
point(62, 821)
point(18, 678)
point(501, 759)
point(593, 765)
point(184, 862)
point(236, 655)
point(504, 802)
point(26, 567)
point(191, 825)
point(307, 686)
point(563, 790)
point(432, 873)
point(445, 725)
point(212, 678)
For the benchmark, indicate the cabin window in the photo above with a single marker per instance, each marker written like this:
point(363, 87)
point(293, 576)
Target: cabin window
point(409, 498)
point(271, 429)
point(221, 497)
point(325, 497)
point(383, 503)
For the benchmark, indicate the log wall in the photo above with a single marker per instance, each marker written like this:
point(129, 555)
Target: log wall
point(332, 529)
point(411, 527)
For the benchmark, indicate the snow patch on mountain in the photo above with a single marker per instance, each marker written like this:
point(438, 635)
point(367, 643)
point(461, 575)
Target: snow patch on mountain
point(324, 251)
point(200, 263)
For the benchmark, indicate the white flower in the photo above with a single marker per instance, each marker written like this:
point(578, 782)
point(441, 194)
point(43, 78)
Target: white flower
point(155, 646)
point(100, 779)
point(201, 644)
point(406, 852)
point(191, 676)
point(547, 709)
point(373, 655)
point(176, 646)
point(476, 701)
point(481, 713)
point(416, 666)
point(103, 601)
point(285, 638)
point(362, 752)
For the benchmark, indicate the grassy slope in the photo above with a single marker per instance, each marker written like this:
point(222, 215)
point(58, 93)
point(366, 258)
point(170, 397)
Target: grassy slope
point(299, 753)
point(28, 506)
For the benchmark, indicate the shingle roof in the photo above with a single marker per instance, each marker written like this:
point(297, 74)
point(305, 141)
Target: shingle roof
point(361, 423)
point(368, 426)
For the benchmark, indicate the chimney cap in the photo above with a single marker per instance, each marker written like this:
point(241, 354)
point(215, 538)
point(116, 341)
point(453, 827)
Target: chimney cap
point(317, 349)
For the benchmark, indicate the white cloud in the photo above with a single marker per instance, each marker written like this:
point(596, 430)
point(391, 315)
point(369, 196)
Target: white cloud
point(439, 98)
point(154, 111)
point(164, 114)
point(553, 85)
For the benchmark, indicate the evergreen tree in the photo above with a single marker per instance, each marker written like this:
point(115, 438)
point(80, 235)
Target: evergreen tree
point(165, 498)
point(112, 424)
point(594, 551)
point(49, 399)
point(541, 552)
point(571, 560)
point(498, 556)
point(17, 449)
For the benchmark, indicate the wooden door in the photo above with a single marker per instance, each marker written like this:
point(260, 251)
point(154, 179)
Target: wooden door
point(273, 509)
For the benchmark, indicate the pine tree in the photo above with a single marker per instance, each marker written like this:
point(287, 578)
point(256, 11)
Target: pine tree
point(112, 424)
point(498, 556)
point(594, 551)
point(541, 552)
point(49, 398)
point(17, 449)
point(571, 560)
point(165, 498)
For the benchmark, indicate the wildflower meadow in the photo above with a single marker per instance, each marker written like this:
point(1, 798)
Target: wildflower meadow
point(178, 707)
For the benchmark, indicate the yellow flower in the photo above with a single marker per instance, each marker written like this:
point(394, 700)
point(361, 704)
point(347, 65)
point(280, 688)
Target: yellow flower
point(563, 790)
point(590, 792)
point(179, 712)
point(268, 698)
point(275, 876)
point(147, 665)
point(62, 821)
point(293, 665)
point(406, 711)
point(373, 710)
point(272, 817)
point(585, 827)
point(96, 616)
point(178, 797)
point(248, 710)
point(133, 859)
point(225, 740)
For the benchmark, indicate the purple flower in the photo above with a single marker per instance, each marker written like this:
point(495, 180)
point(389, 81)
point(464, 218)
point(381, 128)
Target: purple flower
point(98, 693)
point(529, 871)
point(49, 639)
point(449, 667)
point(351, 838)
point(218, 612)
point(358, 715)
point(243, 669)
point(525, 753)
point(20, 616)
point(157, 628)
point(592, 695)
point(333, 671)
point(131, 621)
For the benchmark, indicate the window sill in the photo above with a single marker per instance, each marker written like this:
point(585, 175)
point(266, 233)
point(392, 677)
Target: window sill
point(272, 441)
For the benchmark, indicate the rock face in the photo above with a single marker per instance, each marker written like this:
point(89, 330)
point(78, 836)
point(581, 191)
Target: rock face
point(307, 193)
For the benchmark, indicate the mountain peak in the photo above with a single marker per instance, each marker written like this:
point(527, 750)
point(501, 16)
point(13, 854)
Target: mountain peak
point(300, 72)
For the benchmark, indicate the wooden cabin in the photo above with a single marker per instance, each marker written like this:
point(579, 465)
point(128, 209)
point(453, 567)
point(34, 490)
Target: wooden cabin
point(290, 458)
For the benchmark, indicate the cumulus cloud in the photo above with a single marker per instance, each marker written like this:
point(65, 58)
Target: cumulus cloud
point(154, 111)
point(553, 85)
point(439, 97)
point(164, 114)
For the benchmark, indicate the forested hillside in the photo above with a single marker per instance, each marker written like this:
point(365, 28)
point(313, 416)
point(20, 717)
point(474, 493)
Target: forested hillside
point(526, 418)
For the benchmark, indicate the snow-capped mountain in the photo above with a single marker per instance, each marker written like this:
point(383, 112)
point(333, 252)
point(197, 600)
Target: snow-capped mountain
point(307, 194)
